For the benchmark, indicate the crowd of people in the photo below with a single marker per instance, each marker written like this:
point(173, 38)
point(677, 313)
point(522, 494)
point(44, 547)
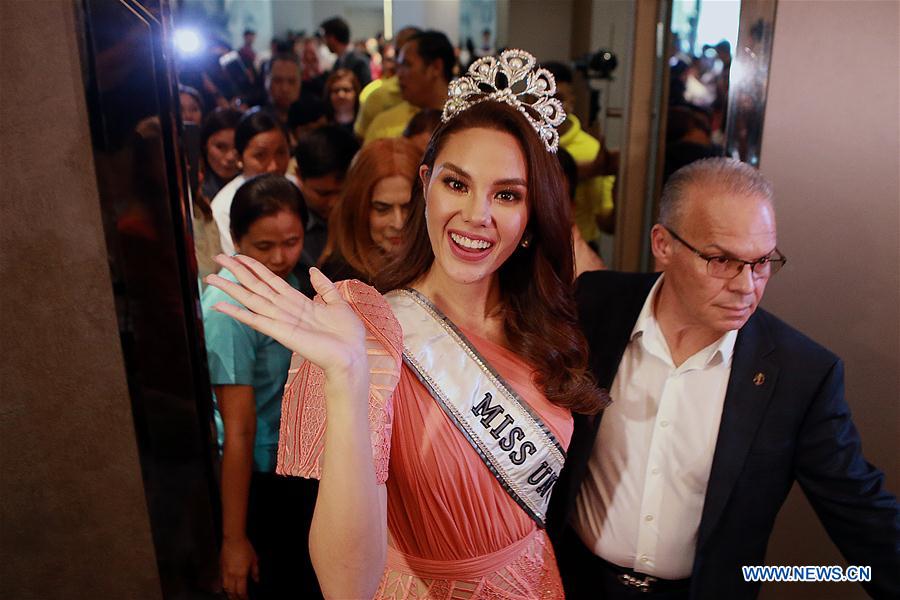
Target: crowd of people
point(397, 91)
point(468, 383)
point(698, 104)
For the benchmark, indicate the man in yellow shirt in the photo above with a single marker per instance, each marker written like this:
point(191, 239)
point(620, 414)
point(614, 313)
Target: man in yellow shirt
point(424, 71)
point(371, 87)
point(594, 195)
point(381, 94)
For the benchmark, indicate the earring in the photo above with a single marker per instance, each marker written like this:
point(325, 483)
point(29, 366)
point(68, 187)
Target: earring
point(526, 240)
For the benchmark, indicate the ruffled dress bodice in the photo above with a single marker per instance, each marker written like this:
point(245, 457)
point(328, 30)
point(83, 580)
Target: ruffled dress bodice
point(453, 530)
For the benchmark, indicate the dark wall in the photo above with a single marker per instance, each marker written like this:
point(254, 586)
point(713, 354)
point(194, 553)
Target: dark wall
point(72, 511)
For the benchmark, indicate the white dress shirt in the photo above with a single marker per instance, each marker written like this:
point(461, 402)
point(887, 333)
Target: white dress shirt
point(221, 211)
point(642, 497)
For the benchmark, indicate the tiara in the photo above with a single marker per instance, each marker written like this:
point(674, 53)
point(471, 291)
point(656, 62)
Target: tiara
point(510, 78)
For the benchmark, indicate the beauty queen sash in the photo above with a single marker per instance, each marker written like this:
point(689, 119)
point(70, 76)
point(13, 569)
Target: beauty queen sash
point(511, 439)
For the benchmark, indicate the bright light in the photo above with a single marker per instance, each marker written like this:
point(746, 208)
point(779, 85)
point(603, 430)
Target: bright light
point(188, 41)
point(389, 21)
point(718, 21)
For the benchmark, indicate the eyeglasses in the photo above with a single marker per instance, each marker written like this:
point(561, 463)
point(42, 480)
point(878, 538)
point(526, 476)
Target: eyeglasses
point(727, 267)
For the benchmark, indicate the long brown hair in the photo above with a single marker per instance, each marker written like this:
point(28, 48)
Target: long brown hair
point(539, 315)
point(348, 225)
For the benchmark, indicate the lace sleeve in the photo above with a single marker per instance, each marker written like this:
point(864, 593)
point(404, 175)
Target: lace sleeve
point(302, 436)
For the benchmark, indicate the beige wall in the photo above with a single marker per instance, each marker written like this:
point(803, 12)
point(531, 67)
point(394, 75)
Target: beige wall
point(73, 519)
point(612, 27)
point(831, 144)
point(542, 27)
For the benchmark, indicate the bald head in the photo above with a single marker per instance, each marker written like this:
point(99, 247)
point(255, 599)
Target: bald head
point(708, 179)
point(714, 212)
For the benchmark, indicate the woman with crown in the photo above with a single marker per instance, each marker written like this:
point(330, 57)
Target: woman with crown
point(459, 382)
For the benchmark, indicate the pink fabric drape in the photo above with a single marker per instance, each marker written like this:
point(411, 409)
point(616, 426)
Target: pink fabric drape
point(454, 532)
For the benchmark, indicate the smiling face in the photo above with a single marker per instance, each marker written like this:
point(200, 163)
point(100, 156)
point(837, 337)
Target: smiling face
point(476, 204)
point(274, 240)
point(717, 223)
point(388, 212)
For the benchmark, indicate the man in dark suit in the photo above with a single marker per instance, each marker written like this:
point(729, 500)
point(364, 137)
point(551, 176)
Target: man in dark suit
point(336, 34)
point(718, 407)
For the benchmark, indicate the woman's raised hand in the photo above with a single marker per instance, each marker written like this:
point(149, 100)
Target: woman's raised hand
point(329, 335)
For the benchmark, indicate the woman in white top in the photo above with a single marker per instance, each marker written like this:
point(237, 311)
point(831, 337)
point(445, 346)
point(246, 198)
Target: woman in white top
point(262, 147)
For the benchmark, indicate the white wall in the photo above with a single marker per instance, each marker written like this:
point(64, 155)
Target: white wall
point(442, 15)
point(831, 143)
point(365, 17)
point(292, 15)
point(249, 14)
point(409, 12)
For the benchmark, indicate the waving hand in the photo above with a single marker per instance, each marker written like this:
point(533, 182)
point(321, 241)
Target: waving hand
point(328, 334)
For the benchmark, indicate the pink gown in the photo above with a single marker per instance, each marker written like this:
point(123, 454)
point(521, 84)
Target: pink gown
point(454, 533)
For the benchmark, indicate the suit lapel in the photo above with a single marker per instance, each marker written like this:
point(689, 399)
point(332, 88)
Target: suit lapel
point(749, 391)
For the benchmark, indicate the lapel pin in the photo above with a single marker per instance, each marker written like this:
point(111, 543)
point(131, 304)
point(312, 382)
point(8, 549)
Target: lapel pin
point(759, 379)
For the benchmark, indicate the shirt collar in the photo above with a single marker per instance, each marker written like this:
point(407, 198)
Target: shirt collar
point(647, 330)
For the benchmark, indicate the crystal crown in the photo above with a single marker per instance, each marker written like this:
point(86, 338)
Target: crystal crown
point(513, 79)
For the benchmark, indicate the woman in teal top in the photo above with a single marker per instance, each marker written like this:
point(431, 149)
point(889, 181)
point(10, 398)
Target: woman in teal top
point(241, 357)
point(248, 371)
